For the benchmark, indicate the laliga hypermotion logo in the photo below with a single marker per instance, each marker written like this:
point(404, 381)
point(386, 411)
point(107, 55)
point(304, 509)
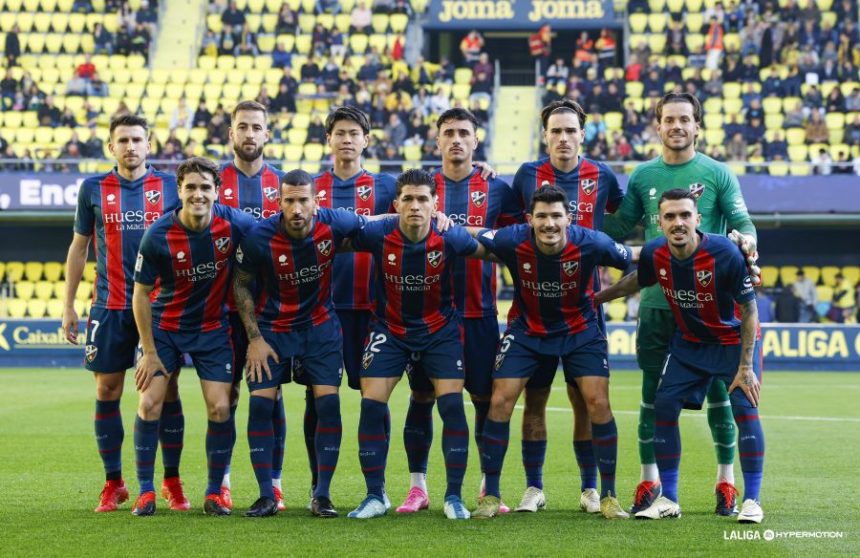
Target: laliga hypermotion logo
point(180, 257)
point(321, 195)
point(570, 268)
point(228, 193)
point(324, 247)
point(364, 192)
point(223, 244)
point(478, 198)
point(434, 257)
point(152, 196)
point(704, 277)
point(270, 193)
point(588, 185)
point(663, 274)
point(282, 260)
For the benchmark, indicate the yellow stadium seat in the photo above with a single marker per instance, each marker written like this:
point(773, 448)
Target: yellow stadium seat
point(254, 22)
point(2, 270)
point(812, 272)
point(36, 43)
point(293, 154)
point(463, 75)
point(77, 23)
point(694, 41)
point(798, 153)
point(378, 41)
point(60, 22)
point(24, 289)
point(16, 308)
point(788, 274)
point(851, 273)
point(778, 168)
point(55, 308)
point(90, 271)
point(306, 23)
point(795, 136)
point(617, 311)
point(732, 90)
point(732, 106)
point(638, 22)
point(828, 275)
point(236, 77)
point(772, 105)
point(44, 290)
point(71, 42)
point(379, 23)
point(226, 62)
point(614, 120)
point(313, 151)
point(769, 275)
point(398, 23)
point(800, 169)
point(835, 120)
point(656, 22)
point(297, 136)
point(82, 308)
point(303, 45)
point(36, 308)
point(824, 293)
point(342, 22)
point(42, 22)
point(33, 271)
point(657, 42)
point(715, 136)
point(268, 24)
point(25, 22)
point(713, 121)
point(59, 290)
point(656, 6)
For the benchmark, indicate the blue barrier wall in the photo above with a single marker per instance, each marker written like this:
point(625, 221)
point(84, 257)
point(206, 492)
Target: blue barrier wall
point(40, 343)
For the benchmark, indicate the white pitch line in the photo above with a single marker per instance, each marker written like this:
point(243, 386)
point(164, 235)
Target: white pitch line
point(704, 415)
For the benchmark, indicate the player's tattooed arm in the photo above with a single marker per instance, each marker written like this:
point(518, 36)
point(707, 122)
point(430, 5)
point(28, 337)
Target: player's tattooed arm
point(245, 302)
point(628, 285)
point(149, 362)
point(746, 379)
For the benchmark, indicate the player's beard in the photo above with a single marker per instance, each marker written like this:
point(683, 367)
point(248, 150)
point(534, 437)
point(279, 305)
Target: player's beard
point(683, 147)
point(242, 154)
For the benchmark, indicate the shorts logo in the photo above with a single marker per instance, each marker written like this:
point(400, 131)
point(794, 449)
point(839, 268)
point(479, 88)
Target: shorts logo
point(434, 257)
point(478, 198)
point(697, 189)
point(324, 247)
point(704, 277)
point(138, 264)
point(364, 192)
point(270, 193)
point(228, 194)
point(527, 267)
point(588, 186)
point(500, 358)
point(570, 267)
point(392, 259)
point(366, 360)
point(239, 254)
point(180, 257)
point(91, 351)
point(152, 196)
point(321, 195)
point(282, 259)
point(223, 244)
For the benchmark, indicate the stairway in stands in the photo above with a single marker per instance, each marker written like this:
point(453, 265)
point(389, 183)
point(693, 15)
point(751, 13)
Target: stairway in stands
point(178, 40)
point(516, 122)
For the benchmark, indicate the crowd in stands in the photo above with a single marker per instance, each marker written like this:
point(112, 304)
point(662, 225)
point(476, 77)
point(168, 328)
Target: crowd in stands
point(804, 301)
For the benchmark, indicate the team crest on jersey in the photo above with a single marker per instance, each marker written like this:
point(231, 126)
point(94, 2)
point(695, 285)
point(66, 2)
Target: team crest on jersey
point(704, 277)
point(364, 192)
point(366, 359)
point(270, 193)
point(697, 189)
point(570, 267)
point(434, 257)
point(91, 351)
point(152, 196)
point(223, 244)
point(324, 247)
point(588, 186)
point(478, 198)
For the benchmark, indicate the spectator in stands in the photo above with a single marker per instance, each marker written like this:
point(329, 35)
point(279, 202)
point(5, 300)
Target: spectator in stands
point(439, 102)
point(247, 43)
point(288, 21)
point(388, 157)
point(140, 40)
point(765, 306)
point(421, 102)
point(94, 146)
point(805, 291)
point(319, 39)
point(772, 85)
point(606, 45)
point(736, 149)
point(327, 6)
point(748, 70)
point(202, 115)
point(316, 130)
point(471, 46)
point(86, 69)
point(842, 164)
point(777, 148)
point(82, 7)
point(787, 306)
point(147, 16)
point(337, 43)
point(68, 120)
point(360, 18)
point(822, 162)
point(484, 65)
point(852, 131)
point(416, 129)
point(97, 87)
point(330, 75)
point(310, 71)
point(210, 44)
point(284, 101)
point(48, 114)
point(183, 115)
point(835, 101)
point(445, 74)
point(844, 301)
point(714, 43)
point(395, 130)
point(653, 84)
point(233, 18)
point(795, 117)
point(754, 131)
point(103, 40)
point(281, 58)
point(482, 88)
point(593, 127)
point(219, 124)
point(633, 70)
point(288, 80)
point(12, 48)
point(402, 7)
point(8, 89)
point(676, 40)
point(672, 72)
point(816, 129)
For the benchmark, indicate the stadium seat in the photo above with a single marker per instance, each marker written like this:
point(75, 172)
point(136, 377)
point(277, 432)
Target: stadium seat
point(769, 275)
point(617, 311)
point(379, 23)
point(412, 152)
point(33, 270)
point(398, 23)
point(638, 22)
point(778, 168)
point(824, 293)
point(297, 136)
point(42, 22)
point(798, 153)
point(313, 151)
point(14, 270)
point(614, 120)
point(293, 154)
point(788, 274)
point(694, 41)
point(812, 272)
point(795, 136)
point(303, 46)
point(634, 89)
point(16, 308)
point(851, 273)
point(24, 289)
point(36, 308)
point(675, 6)
point(306, 23)
point(773, 121)
point(800, 169)
point(55, 308)
point(828, 275)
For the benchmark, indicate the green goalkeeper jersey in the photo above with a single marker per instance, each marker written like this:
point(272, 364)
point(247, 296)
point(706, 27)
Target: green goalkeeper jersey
point(720, 203)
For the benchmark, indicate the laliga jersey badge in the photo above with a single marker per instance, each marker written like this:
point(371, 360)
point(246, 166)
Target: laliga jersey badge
point(704, 277)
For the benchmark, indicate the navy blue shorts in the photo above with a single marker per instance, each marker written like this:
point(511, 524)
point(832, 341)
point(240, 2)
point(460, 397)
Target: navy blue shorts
point(526, 356)
point(211, 352)
point(240, 345)
point(355, 325)
point(318, 360)
point(111, 340)
point(440, 354)
point(690, 368)
point(480, 343)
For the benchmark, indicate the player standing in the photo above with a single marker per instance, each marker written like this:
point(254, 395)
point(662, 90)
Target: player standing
point(592, 190)
point(552, 262)
point(721, 205)
point(705, 281)
point(250, 184)
point(293, 252)
point(117, 207)
point(468, 199)
point(415, 315)
point(189, 254)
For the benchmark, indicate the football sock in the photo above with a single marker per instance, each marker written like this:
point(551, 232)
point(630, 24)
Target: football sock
point(650, 379)
point(279, 428)
point(225, 482)
point(455, 441)
point(751, 450)
point(726, 473)
point(605, 443)
point(387, 425)
point(373, 445)
point(585, 459)
point(418, 480)
point(534, 455)
point(481, 410)
point(260, 442)
point(328, 439)
point(722, 423)
point(496, 438)
point(171, 430)
point(667, 446)
point(418, 435)
point(109, 437)
point(145, 446)
point(310, 430)
point(649, 472)
point(219, 443)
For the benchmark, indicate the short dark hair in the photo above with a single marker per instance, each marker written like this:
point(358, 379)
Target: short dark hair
point(457, 114)
point(415, 177)
point(679, 98)
point(564, 105)
point(249, 106)
point(298, 177)
point(198, 165)
point(676, 194)
point(548, 193)
point(347, 113)
point(128, 120)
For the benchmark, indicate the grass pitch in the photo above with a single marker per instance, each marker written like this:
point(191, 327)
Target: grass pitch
point(50, 476)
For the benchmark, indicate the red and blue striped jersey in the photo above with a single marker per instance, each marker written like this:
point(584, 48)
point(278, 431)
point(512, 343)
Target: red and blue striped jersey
point(702, 289)
point(192, 269)
point(591, 188)
point(117, 212)
point(296, 273)
point(551, 293)
point(257, 195)
point(366, 194)
point(414, 280)
point(476, 202)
